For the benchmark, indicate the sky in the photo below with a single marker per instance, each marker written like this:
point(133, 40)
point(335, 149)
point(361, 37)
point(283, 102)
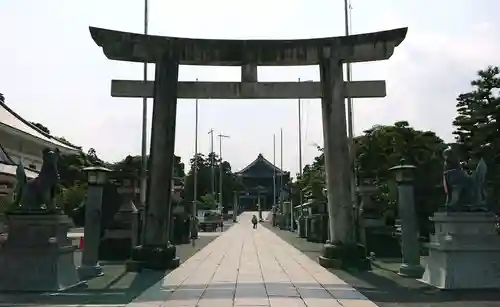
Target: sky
point(53, 73)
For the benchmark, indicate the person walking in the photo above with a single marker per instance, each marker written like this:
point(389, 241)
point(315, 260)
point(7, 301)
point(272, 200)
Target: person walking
point(254, 222)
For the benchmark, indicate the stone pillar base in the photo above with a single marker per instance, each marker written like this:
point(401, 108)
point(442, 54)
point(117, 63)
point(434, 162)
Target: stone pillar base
point(86, 272)
point(159, 258)
point(113, 249)
point(37, 256)
point(464, 252)
point(352, 256)
point(411, 270)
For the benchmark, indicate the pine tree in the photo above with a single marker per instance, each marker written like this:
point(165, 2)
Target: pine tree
point(478, 127)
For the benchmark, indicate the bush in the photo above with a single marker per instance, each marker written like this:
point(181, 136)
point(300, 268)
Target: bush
point(71, 197)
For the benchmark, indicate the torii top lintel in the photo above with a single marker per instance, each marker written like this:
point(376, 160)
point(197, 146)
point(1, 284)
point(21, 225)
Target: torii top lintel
point(132, 47)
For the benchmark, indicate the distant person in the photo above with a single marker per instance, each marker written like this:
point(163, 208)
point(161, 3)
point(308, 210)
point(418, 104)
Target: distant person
point(194, 229)
point(254, 221)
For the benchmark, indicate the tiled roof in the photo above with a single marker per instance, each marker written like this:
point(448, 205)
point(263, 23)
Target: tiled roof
point(13, 121)
point(260, 158)
point(4, 157)
point(11, 170)
point(8, 166)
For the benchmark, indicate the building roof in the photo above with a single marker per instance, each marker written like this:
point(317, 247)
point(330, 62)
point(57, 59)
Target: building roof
point(8, 166)
point(4, 157)
point(261, 159)
point(13, 122)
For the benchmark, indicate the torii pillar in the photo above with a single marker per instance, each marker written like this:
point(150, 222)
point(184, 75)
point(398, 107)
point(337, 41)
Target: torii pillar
point(342, 250)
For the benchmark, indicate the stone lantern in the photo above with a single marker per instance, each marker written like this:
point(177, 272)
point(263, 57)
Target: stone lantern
point(122, 234)
point(404, 175)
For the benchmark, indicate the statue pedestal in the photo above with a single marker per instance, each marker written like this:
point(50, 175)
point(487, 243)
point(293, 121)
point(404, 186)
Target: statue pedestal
point(37, 256)
point(464, 252)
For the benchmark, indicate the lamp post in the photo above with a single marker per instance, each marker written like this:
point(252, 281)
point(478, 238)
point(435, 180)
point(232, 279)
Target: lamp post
point(97, 177)
point(410, 266)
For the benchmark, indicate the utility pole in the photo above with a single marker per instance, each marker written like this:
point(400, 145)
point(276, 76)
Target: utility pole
point(195, 175)
point(221, 136)
point(144, 141)
point(212, 156)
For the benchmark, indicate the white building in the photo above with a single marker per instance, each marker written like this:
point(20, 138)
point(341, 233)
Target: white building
point(20, 141)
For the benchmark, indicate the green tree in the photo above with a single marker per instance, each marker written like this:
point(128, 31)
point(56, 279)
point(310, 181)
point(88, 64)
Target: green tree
point(71, 168)
point(379, 149)
point(130, 166)
point(312, 181)
point(41, 127)
point(73, 180)
point(71, 197)
point(478, 127)
point(383, 147)
point(204, 176)
point(207, 202)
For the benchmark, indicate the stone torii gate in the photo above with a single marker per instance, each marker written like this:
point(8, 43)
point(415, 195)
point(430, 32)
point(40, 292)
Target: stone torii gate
point(170, 52)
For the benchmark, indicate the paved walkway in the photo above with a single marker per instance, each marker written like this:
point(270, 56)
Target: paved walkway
point(246, 267)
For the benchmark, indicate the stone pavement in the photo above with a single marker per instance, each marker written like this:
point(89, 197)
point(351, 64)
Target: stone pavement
point(386, 288)
point(246, 267)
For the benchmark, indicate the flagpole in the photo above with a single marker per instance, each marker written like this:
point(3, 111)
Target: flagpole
point(144, 157)
point(350, 118)
point(274, 171)
point(195, 172)
point(300, 145)
point(281, 171)
point(212, 162)
point(349, 77)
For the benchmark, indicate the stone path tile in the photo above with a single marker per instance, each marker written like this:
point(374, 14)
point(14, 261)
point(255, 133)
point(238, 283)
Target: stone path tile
point(246, 267)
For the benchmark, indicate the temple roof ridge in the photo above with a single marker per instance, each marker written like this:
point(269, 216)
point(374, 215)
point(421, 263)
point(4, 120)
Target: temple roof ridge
point(11, 119)
point(4, 157)
point(260, 158)
point(9, 167)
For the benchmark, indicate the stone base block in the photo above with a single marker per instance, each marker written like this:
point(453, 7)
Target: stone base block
point(460, 269)
point(464, 252)
point(156, 257)
point(133, 266)
point(37, 255)
point(409, 270)
point(344, 257)
point(329, 263)
point(115, 248)
point(86, 272)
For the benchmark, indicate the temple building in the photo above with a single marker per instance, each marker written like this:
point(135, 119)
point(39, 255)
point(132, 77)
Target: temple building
point(257, 179)
point(22, 142)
